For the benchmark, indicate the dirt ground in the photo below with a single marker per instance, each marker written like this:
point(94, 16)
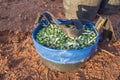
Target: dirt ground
point(19, 59)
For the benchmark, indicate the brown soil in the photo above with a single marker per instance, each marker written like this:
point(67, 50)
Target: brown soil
point(19, 59)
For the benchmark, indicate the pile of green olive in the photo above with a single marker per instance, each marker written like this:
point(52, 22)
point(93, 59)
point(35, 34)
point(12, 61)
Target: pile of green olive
point(52, 36)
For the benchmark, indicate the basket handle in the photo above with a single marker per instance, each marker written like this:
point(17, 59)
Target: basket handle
point(49, 16)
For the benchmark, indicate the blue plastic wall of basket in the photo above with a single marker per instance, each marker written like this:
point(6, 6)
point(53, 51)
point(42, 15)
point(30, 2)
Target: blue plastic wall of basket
point(64, 56)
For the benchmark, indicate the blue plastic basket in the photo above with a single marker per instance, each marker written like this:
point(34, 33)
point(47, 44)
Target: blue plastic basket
point(64, 57)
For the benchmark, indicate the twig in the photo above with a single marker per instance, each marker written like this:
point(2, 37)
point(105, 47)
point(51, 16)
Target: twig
point(111, 54)
point(47, 75)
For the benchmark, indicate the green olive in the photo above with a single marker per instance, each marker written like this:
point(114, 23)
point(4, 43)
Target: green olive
point(52, 36)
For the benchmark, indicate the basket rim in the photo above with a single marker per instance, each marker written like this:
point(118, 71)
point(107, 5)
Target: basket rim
point(52, 49)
